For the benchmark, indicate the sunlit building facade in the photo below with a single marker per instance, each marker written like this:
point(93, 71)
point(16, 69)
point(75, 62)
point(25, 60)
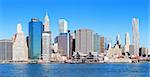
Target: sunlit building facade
point(35, 38)
point(20, 49)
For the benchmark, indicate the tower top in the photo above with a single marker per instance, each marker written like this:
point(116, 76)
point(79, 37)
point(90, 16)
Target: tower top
point(19, 28)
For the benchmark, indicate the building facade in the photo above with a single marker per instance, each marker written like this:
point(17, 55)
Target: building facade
point(127, 42)
point(84, 41)
point(46, 40)
point(96, 42)
point(102, 46)
point(63, 26)
point(5, 49)
point(35, 38)
point(135, 30)
point(64, 41)
point(20, 49)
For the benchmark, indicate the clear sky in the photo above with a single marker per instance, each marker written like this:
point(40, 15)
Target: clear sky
point(106, 17)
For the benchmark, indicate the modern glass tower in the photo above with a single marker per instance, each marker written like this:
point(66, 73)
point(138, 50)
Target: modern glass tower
point(35, 38)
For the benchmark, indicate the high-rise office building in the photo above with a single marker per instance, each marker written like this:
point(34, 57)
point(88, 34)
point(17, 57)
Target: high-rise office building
point(64, 44)
point(127, 42)
point(84, 41)
point(35, 38)
point(46, 40)
point(6, 49)
point(135, 30)
point(63, 26)
point(96, 42)
point(45, 46)
point(102, 39)
point(20, 49)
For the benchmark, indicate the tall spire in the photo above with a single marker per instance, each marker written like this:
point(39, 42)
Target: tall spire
point(46, 22)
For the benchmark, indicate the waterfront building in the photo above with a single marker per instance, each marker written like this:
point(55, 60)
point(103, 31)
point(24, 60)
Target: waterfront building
point(46, 40)
point(127, 42)
point(35, 38)
point(63, 26)
point(143, 52)
point(102, 44)
point(64, 46)
point(20, 49)
point(135, 30)
point(114, 52)
point(5, 49)
point(73, 43)
point(96, 43)
point(148, 50)
point(84, 41)
point(46, 46)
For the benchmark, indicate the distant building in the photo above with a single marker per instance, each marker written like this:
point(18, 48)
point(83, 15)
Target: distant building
point(73, 43)
point(20, 49)
point(131, 49)
point(114, 52)
point(102, 44)
point(46, 40)
point(118, 40)
point(127, 42)
point(63, 26)
point(46, 49)
point(6, 49)
point(96, 43)
point(148, 50)
point(143, 52)
point(64, 48)
point(84, 41)
point(135, 30)
point(35, 38)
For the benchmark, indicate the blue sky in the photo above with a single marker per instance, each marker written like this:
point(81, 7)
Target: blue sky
point(106, 17)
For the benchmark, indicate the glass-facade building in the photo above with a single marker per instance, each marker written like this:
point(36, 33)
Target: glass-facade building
point(35, 38)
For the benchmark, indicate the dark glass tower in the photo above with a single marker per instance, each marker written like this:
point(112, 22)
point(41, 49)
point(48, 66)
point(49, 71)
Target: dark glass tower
point(35, 38)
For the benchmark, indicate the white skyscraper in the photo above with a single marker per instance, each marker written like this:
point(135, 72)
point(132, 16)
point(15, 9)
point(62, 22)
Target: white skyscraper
point(63, 26)
point(46, 40)
point(135, 30)
point(45, 46)
point(20, 50)
point(46, 23)
point(127, 42)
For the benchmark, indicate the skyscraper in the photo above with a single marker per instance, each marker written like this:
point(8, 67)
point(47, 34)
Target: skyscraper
point(46, 40)
point(135, 30)
point(20, 49)
point(84, 41)
point(96, 42)
point(64, 44)
point(127, 42)
point(6, 49)
point(102, 44)
point(45, 46)
point(63, 26)
point(35, 38)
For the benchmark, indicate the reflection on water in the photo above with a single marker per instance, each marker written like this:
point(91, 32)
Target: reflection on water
point(74, 70)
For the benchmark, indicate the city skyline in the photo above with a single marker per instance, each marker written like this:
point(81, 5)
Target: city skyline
point(88, 17)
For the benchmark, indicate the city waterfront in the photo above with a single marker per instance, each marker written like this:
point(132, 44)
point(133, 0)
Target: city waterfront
point(75, 70)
